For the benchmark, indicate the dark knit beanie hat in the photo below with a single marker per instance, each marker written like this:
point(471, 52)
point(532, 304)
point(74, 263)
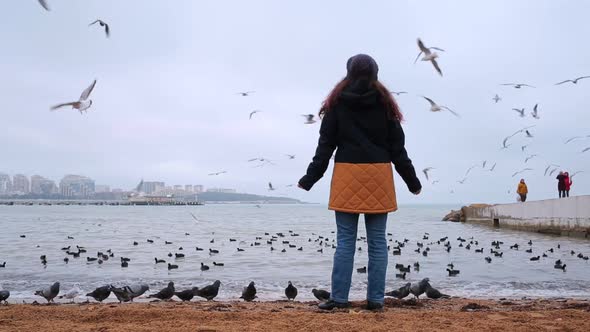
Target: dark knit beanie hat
point(362, 65)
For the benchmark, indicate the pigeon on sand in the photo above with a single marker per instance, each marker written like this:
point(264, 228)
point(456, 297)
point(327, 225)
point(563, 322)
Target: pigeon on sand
point(49, 293)
point(166, 293)
point(249, 292)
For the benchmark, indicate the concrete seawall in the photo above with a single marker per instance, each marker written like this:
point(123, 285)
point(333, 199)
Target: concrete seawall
point(566, 216)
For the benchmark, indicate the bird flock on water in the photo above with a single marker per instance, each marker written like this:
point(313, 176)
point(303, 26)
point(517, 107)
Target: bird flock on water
point(407, 261)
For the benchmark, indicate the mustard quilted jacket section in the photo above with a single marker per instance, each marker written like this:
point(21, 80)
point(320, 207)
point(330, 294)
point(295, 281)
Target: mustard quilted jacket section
point(363, 188)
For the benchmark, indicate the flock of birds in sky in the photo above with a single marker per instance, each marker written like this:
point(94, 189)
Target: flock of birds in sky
point(282, 243)
point(426, 54)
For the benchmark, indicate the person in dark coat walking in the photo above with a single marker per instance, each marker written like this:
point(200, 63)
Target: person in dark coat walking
point(362, 122)
point(561, 184)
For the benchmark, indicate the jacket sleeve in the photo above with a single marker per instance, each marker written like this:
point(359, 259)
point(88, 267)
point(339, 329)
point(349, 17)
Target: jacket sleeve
point(326, 146)
point(399, 157)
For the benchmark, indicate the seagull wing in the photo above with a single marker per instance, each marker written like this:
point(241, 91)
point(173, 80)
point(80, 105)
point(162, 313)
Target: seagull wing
point(573, 138)
point(435, 64)
point(44, 4)
point(586, 150)
point(417, 57)
point(437, 48)
point(452, 112)
point(508, 84)
point(582, 77)
point(93, 23)
point(423, 48)
point(75, 103)
point(432, 103)
point(86, 93)
point(564, 82)
point(107, 30)
point(530, 86)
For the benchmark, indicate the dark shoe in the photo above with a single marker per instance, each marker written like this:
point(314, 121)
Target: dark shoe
point(332, 304)
point(374, 306)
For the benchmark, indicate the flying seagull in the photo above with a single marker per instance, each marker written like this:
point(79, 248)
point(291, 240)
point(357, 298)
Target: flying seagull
point(528, 134)
point(469, 169)
point(535, 112)
point(493, 167)
point(245, 93)
point(585, 150)
point(428, 55)
point(504, 145)
point(548, 167)
point(309, 118)
point(485, 162)
point(524, 170)
point(572, 176)
point(252, 113)
point(529, 158)
point(270, 187)
point(107, 30)
point(81, 105)
point(522, 148)
point(218, 173)
point(496, 98)
point(518, 85)
point(425, 171)
point(434, 107)
point(520, 111)
point(462, 181)
point(397, 93)
point(574, 81)
point(44, 4)
point(291, 156)
point(573, 139)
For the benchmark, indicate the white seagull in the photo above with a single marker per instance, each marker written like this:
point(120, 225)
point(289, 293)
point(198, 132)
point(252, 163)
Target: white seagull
point(434, 107)
point(245, 93)
point(252, 113)
point(270, 187)
point(576, 173)
point(107, 30)
point(425, 171)
point(44, 4)
point(528, 134)
point(535, 112)
point(529, 158)
point(217, 173)
point(309, 118)
point(548, 167)
point(518, 85)
point(496, 98)
point(493, 167)
point(428, 55)
point(520, 111)
point(574, 81)
point(291, 156)
point(72, 294)
point(585, 150)
point(397, 93)
point(81, 105)
point(524, 170)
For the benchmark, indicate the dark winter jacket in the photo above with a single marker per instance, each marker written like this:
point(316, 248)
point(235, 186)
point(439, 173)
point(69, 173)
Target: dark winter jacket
point(367, 140)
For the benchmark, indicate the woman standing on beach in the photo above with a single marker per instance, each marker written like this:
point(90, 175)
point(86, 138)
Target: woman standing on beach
point(522, 190)
point(361, 120)
point(561, 184)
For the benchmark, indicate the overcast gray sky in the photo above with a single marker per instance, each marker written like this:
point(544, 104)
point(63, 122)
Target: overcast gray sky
point(165, 106)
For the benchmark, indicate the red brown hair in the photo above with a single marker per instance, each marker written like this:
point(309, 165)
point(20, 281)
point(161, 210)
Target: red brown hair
point(386, 98)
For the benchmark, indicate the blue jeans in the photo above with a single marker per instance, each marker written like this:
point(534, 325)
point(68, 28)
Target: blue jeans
point(347, 224)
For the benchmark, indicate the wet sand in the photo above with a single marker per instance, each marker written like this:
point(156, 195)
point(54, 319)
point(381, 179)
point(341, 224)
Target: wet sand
point(426, 315)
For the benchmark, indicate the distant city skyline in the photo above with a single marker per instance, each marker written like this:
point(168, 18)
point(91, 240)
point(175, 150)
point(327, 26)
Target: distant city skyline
point(80, 186)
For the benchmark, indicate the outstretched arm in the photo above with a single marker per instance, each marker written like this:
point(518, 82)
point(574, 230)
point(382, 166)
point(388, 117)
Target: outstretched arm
point(323, 153)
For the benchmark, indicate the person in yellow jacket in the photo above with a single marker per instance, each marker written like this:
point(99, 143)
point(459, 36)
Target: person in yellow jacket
point(522, 190)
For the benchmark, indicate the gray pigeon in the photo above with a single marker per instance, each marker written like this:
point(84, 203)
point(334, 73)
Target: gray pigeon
point(291, 291)
point(164, 294)
point(321, 294)
point(419, 288)
point(101, 293)
point(433, 293)
point(401, 292)
point(4, 295)
point(209, 292)
point(187, 295)
point(49, 293)
point(128, 293)
point(249, 292)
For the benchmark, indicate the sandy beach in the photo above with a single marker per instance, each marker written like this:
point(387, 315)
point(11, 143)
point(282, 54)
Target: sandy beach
point(426, 315)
